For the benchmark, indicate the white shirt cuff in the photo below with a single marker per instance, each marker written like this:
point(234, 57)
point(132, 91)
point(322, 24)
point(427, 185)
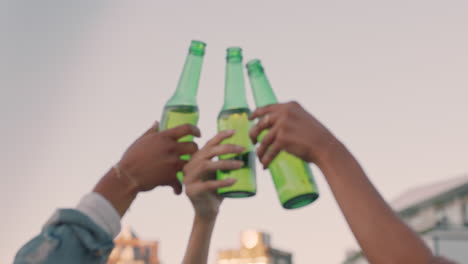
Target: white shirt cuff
point(101, 211)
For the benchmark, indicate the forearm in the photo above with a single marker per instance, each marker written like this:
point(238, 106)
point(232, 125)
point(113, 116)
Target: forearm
point(118, 191)
point(380, 233)
point(199, 242)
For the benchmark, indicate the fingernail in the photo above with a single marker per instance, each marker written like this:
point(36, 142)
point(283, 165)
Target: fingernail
point(239, 162)
point(232, 180)
point(227, 132)
point(239, 148)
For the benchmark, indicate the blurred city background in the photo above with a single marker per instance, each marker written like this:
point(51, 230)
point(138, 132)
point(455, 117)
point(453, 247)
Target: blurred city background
point(438, 212)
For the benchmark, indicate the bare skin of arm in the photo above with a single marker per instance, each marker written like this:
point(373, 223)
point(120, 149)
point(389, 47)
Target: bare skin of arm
point(201, 185)
point(151, 161)
point(384, 238)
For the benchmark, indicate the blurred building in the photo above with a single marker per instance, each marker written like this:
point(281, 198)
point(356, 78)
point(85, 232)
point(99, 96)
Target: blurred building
point(255, 249)
point(129, 249)
point(439, 213)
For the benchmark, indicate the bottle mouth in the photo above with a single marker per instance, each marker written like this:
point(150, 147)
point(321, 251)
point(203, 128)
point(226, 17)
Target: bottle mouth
point(234, 54)
point(197, 47)
point(254, 66)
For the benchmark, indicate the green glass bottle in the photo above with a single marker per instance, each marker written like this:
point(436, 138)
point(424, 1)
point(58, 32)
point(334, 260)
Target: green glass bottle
point(292, 176)
point(235, 115)
point(182, 106)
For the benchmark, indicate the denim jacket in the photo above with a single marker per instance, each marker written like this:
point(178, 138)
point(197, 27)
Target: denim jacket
point(70, 236)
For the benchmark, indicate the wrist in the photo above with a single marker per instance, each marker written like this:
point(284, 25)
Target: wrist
point(131, 185)
point(206, 218)
point(117, 190)
point(330, 149)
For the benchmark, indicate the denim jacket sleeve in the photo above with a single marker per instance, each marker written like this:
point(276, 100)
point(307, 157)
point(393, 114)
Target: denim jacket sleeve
point(68, 237)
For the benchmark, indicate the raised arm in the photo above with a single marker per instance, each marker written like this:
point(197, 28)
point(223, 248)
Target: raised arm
point(384, 238)
point(201, 185)
point(84, 234)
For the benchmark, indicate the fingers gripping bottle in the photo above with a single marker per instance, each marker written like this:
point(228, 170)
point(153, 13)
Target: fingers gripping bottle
point(182, 106)
point(235, 115)
point(292, 176)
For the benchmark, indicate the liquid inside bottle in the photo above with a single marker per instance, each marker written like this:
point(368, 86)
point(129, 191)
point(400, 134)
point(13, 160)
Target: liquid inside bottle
point(238, 119)
point(177, 115)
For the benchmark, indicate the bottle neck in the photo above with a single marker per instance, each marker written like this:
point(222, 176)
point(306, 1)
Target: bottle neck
point(186, 92)
point(261, 89)
point(234, 88)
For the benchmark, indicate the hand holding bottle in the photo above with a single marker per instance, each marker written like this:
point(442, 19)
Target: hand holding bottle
point(200, 175)
point(292, 129)
point(291, 175)
point(201, 187)
point(153, 159)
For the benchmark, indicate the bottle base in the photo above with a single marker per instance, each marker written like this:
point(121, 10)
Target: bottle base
point(237, 194)
point(300, 201)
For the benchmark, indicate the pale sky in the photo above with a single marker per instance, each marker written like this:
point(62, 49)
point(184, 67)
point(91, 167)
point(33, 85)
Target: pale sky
point(83, 79)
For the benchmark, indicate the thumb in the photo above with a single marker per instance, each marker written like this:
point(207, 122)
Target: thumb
point(154, 128)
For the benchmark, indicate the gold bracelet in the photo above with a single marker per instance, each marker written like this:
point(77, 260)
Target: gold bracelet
point(120, 172)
